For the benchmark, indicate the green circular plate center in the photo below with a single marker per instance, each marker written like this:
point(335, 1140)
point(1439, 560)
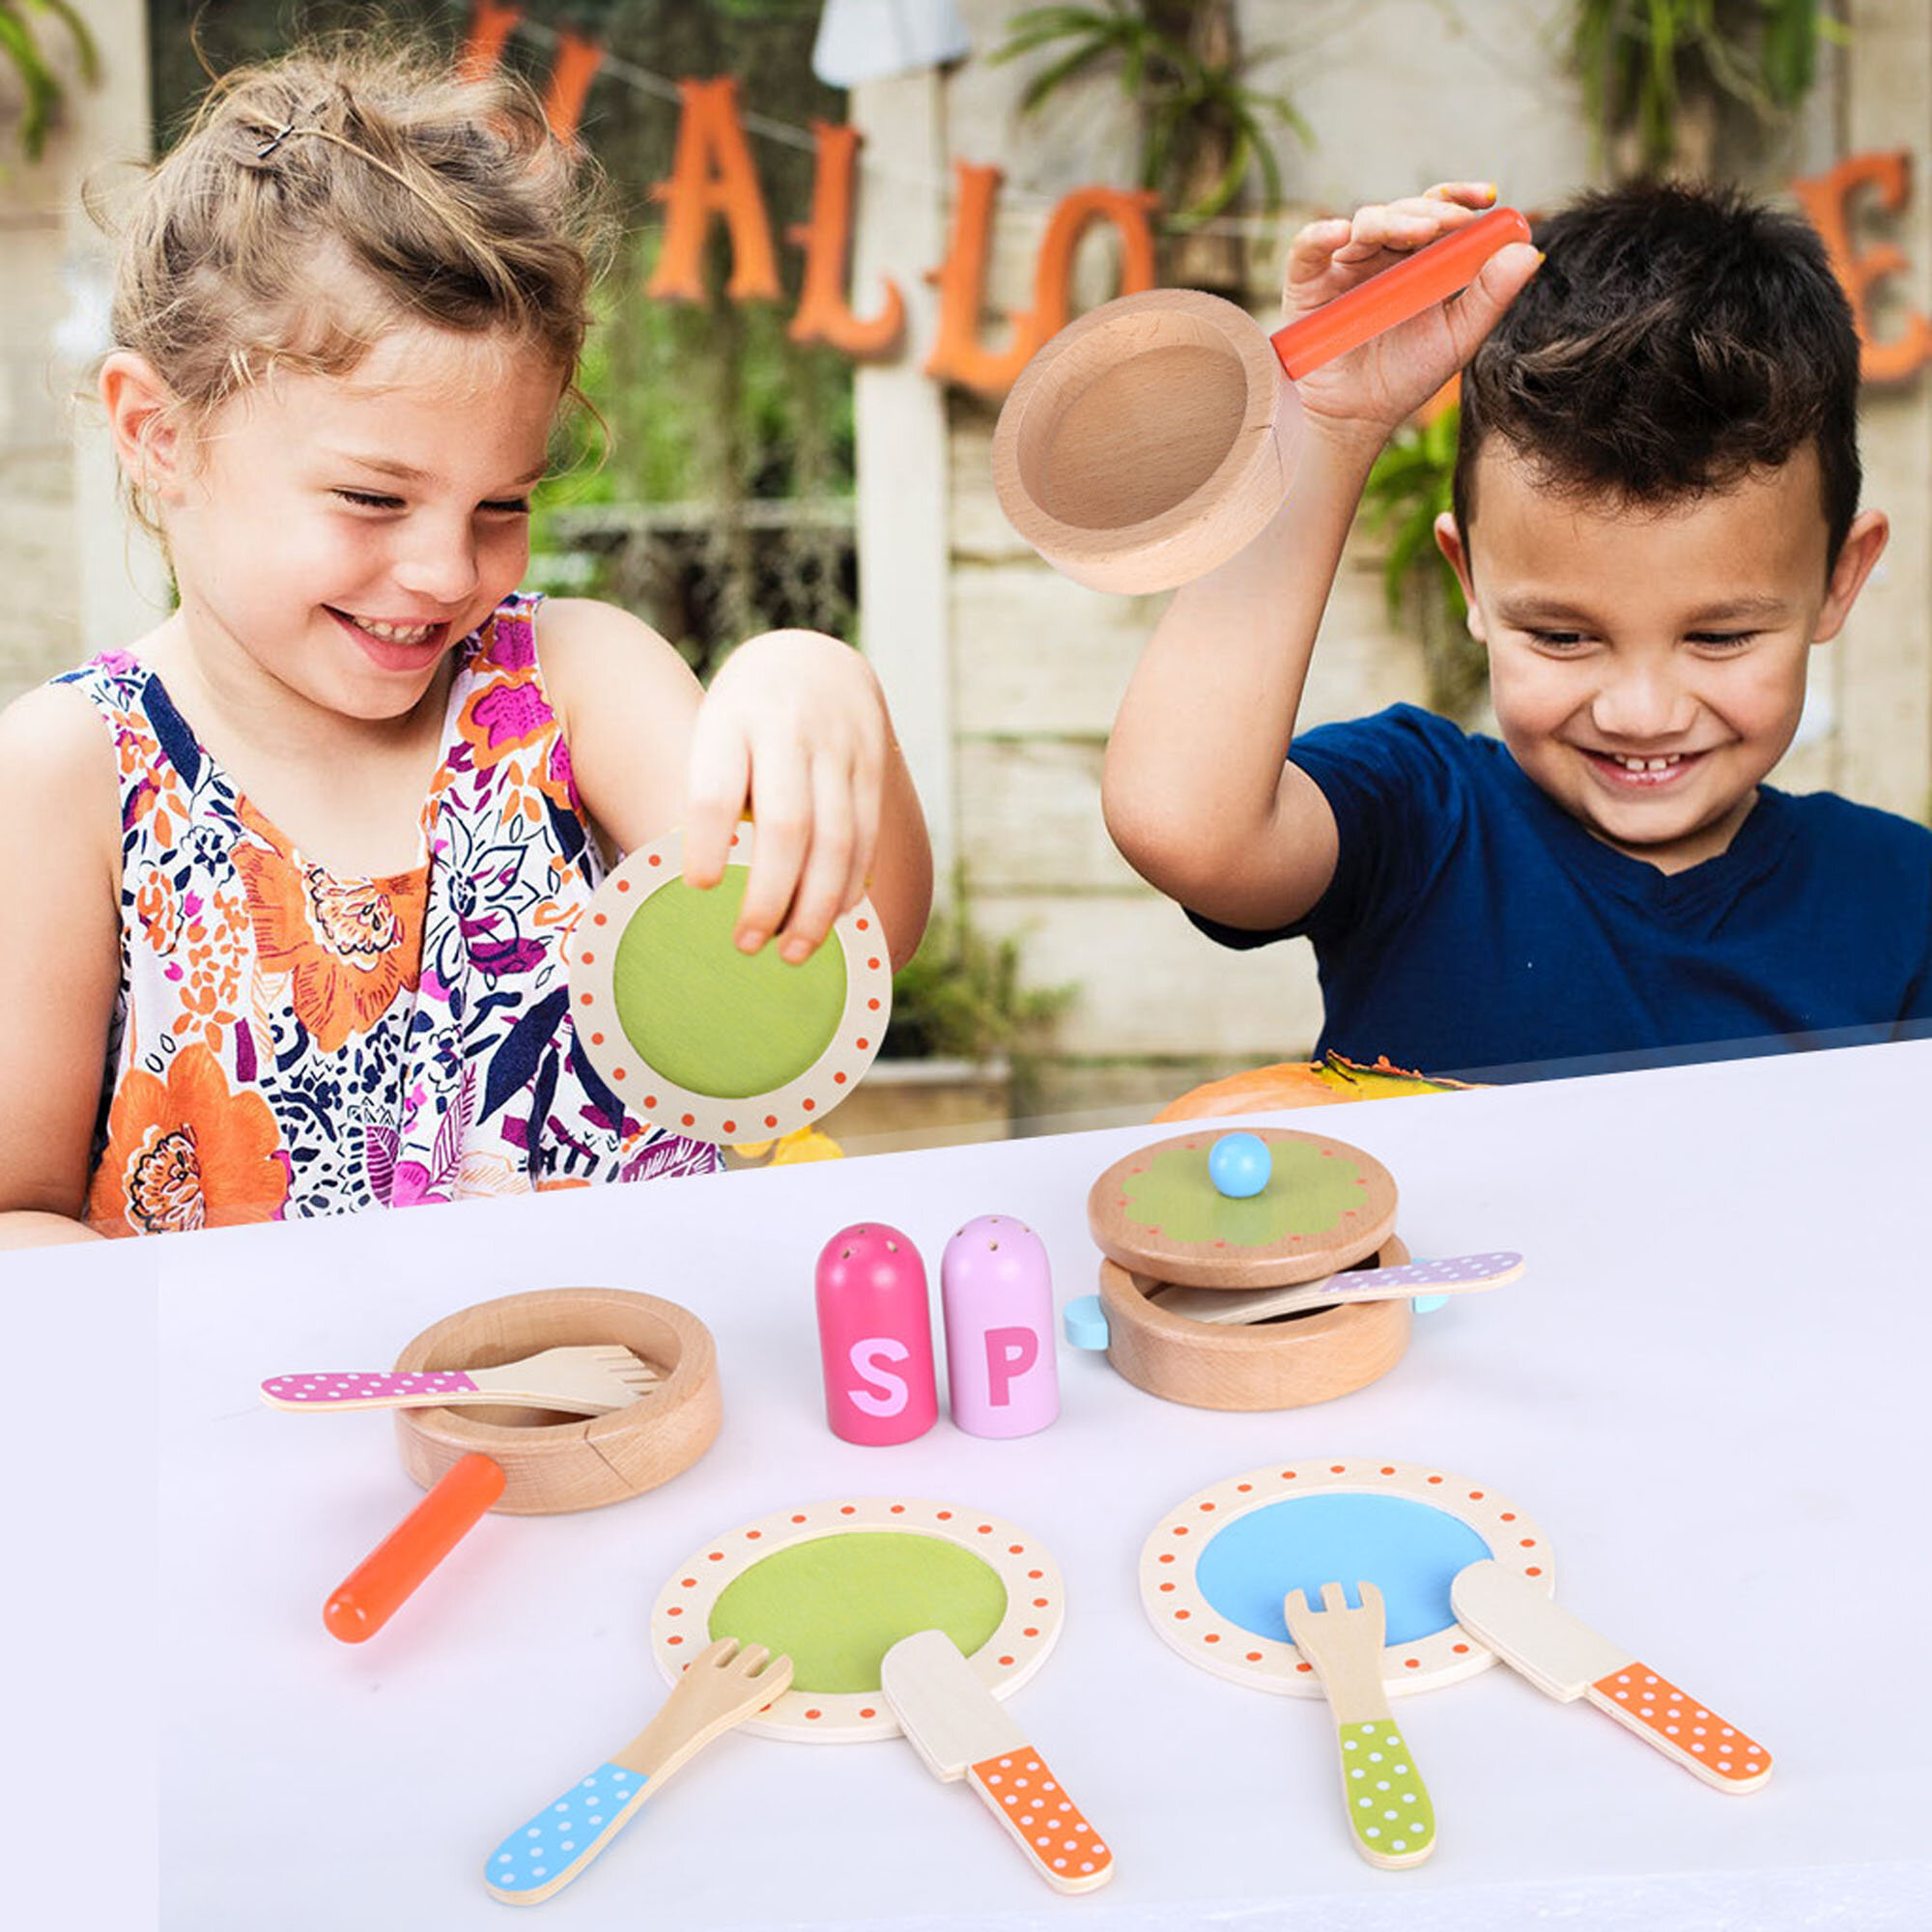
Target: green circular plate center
point(709, 1018)
point(1308, 1192)
point(836, 1603)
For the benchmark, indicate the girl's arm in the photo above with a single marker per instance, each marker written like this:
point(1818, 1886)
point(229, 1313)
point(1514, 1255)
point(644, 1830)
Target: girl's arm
point(60, 958)
point(1198, 792)
point(793, 729)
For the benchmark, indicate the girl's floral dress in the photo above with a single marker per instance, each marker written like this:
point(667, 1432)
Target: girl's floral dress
point(287, 1043)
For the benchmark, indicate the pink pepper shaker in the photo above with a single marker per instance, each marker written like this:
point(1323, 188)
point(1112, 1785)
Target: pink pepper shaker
point(997, 1291)
point(875, 1336)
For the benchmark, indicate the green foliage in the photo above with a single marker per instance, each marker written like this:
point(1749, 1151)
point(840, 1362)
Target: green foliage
point(959, 996)
point(1639, 60)
point(39, 82)
point(1177, 90)
point(1409, 487)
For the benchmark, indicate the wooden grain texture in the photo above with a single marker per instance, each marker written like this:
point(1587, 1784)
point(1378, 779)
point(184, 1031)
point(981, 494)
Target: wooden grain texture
point(1296, 1229)
point(1148, 442)
point(555, 1463)
point(1279, 1365)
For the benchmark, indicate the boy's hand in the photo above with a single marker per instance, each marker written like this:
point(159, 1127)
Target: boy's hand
point(1363, 396)
point(793, 730)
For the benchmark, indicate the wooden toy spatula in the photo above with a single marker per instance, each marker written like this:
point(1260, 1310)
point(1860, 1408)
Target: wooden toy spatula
point(1566, 1659)
point(1388, 1806)
point(590, 1379)
point(721, 1687)
point(1456, 1275)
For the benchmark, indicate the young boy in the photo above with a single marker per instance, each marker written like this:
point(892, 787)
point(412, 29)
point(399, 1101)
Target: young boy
point(1656, 519)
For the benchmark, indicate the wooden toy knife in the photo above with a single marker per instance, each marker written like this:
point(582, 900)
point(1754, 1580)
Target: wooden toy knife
point(1566, 1659)
point(960, 1729)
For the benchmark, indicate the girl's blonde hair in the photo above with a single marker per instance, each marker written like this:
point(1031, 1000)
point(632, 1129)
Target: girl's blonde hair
point(319, 199)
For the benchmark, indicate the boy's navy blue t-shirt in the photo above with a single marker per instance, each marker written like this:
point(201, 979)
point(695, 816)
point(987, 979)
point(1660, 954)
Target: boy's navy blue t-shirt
point(1474, 928)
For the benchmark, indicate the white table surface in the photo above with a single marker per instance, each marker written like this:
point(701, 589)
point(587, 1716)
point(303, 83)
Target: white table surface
point(1711, 1389)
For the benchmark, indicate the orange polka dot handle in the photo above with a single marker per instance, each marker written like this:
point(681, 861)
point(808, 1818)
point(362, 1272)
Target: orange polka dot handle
point(1032, 1804)
point(959, 1729)
point(1564, 1657)
point(1681, 1727)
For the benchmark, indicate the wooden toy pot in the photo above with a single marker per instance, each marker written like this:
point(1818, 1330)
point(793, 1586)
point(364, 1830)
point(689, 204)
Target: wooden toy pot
point(552, 1463)
point(1155, 437)
point(1273, 1365)
point(1160, 1220)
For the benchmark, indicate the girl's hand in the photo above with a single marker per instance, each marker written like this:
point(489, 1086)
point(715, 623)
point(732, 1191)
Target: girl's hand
point(1363, 396)
point(793, 732)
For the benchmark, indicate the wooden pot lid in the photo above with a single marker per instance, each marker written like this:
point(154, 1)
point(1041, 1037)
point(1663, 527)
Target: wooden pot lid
point(1326, 1205)
point(697, 1037)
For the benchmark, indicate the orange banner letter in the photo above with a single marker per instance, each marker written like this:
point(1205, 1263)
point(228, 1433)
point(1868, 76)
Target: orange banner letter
point(1825, 198)
point(823, 313)
point(712, 174)
point(957, 354)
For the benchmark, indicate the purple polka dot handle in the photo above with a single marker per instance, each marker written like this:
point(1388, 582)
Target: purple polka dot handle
point(1458, 1270)
point(359, 1389)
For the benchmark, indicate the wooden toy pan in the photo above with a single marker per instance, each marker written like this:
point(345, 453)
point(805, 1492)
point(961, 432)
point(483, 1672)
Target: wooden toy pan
point(833, 1586)
point(696, 1036)
point(553, 1463)
point(1155, 437)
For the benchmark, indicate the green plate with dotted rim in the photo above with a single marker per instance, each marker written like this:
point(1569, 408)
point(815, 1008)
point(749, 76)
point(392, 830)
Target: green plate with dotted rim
point(834, 1585)
point(693, 1035)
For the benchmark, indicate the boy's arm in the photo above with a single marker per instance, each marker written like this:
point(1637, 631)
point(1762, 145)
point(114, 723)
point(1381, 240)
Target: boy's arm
point(801, 722)
point(1198, 792)
point(60, 959)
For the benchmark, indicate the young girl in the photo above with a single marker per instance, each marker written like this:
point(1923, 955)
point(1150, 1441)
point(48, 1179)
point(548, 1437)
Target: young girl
point(290, 877)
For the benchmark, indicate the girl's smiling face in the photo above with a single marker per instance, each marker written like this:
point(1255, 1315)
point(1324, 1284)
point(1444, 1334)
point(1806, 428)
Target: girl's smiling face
point(1647, 665)
point(338, 534)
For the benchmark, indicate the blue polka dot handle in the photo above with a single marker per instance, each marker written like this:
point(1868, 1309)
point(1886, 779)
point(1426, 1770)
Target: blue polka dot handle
point(722, 1685)
point(545, 1855)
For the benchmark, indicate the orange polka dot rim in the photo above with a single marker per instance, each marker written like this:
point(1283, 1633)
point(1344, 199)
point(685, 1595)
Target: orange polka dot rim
point(1027, 1624)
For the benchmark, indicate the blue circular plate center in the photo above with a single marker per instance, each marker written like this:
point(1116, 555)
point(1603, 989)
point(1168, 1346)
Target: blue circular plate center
point(1409, 1551)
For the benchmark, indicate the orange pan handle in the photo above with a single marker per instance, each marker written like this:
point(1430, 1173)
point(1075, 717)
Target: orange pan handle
point(389, 1574)
point(1406, 289)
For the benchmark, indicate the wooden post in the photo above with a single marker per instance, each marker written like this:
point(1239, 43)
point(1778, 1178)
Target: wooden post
point(904, 499)
point(120, 577)
point(1884, 670)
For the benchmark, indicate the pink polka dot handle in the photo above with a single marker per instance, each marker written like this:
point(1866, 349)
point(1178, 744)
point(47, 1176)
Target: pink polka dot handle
point(357, 1389)
point(1681, 1727)
point(1032, 1804)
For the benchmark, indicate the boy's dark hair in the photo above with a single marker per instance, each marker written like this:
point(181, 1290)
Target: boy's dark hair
point(1675, 340)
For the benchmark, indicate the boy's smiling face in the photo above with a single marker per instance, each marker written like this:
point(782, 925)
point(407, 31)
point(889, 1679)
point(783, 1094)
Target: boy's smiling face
point(1647, 663)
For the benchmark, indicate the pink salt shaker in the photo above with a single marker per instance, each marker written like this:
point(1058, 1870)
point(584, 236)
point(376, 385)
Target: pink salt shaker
point(875, 1336)
point(997, 1291)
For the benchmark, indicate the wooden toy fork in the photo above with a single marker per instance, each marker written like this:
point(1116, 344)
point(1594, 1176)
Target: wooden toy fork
point(722, 1685)
point(1388, 1806)
point(592, 1379)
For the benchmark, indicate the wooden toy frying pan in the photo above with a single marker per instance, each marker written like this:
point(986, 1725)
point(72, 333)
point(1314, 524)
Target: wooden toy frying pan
point(1155, 437)
point(703, 1040)
point(900, 1616)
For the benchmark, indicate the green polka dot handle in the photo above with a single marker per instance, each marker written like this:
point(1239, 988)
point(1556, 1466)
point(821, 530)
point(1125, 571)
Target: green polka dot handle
point(1388, 1808)
point(1388, 1804)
